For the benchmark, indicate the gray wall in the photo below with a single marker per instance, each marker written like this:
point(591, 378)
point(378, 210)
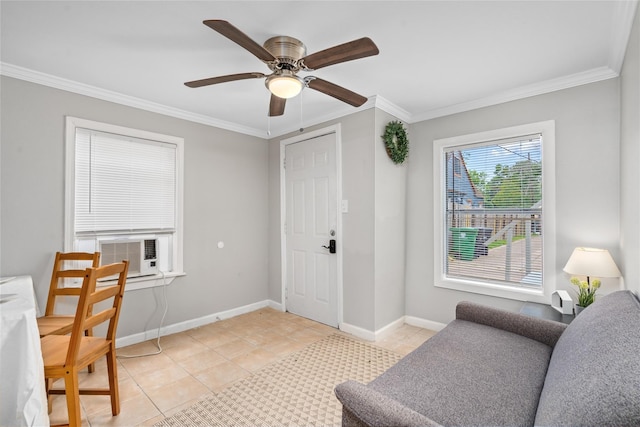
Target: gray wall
point(225, 199)
point(358, 169)
point(630, 161)
point(358, 160)
point(390, 229)
point(587, 181)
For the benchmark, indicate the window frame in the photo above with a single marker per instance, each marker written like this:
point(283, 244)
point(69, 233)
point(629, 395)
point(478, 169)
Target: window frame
point(549, 275)
point(133, 283)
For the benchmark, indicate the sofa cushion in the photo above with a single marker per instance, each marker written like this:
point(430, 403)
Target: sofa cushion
point(594, 371)
point(470, 374)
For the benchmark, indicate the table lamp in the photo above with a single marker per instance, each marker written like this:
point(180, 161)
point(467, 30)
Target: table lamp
point(591, 262)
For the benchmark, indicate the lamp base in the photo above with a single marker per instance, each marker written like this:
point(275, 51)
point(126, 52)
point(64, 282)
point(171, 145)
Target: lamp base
point(579, 309)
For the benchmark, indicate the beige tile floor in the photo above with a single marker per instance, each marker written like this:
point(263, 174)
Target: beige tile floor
point(201, 361)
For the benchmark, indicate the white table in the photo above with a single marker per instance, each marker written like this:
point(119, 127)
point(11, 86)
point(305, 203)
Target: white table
point(23, 400)
point(21, 286)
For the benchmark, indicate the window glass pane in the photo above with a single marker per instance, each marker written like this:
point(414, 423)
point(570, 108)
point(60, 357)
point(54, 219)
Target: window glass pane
point(493, 211)
point(123, 184)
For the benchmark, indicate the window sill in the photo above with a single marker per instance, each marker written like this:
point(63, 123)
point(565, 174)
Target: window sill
point(144, 282)
point(495, 290)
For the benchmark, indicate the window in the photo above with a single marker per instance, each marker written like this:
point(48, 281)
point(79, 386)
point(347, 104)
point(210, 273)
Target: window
point(124, 198)
point(494, 221)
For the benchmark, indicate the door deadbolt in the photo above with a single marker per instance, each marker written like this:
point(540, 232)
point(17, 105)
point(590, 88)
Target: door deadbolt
point(331, 247)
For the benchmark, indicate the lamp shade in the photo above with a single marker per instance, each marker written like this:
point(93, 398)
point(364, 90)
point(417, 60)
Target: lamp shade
point(591, 262)
point(284, 85)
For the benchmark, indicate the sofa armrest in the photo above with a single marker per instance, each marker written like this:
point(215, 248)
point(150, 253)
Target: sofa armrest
point(372, 408)
point(542, 330)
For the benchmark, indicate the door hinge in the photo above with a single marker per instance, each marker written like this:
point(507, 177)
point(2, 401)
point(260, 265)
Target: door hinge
point(284, 163)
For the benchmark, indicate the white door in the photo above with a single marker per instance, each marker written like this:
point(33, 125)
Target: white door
point(311, 224)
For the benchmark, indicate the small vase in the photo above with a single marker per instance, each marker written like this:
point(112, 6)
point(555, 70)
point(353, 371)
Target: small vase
point(579, 308)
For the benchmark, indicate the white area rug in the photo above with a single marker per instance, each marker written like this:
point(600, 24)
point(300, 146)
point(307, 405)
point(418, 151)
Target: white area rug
point(295, 391)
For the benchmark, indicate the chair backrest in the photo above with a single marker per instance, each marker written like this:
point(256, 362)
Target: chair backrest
point(89, 296)
point(62, 270)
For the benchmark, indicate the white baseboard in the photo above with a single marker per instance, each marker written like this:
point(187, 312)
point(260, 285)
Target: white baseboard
point(275, 305)
point(424, 323)
point(387, 330)
point(356, 331)
point(194, 323)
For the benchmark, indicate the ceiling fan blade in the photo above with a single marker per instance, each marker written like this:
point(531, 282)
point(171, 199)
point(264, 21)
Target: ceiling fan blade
point(338, 92)
point(237, 36)
point(276, 106)
point(356, 49)
point(223, 79)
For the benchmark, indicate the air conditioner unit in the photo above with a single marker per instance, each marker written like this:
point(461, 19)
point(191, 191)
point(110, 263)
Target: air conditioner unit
point(142, 254)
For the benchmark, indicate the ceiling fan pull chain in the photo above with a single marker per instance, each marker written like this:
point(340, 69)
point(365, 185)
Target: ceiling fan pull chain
point(301, 127)
point(268, 125)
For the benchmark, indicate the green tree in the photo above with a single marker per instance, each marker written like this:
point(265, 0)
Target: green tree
point(493, 186)
point(517, 186)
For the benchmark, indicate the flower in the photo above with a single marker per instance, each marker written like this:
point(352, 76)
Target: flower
point(586, 290)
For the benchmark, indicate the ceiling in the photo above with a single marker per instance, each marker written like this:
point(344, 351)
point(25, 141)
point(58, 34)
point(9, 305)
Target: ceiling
point(436, 57)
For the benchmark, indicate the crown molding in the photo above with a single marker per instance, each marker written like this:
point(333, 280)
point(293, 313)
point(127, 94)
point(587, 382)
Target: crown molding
point(32, 76)
point(623, 14)
point(552, 85)
point(37, 77)
point(391, 108)
point(590, 76)
point(333, 115)
point(375, 101)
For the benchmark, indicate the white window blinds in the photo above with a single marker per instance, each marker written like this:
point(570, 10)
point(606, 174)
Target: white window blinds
point(123, 184)
point(493, 211)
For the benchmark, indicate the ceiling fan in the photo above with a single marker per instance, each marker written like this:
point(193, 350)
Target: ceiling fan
point(286, 56)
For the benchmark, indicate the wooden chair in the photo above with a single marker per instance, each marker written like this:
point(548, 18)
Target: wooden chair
point(65, 355)
point(61, 324)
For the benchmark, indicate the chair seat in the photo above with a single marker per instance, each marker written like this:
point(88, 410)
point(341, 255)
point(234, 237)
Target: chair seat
point(55, 324)
point(55, 347)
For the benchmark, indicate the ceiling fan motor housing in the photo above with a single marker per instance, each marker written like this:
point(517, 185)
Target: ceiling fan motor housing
point(287, 49)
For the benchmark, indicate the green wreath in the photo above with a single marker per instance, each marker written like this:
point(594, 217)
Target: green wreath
point(396, 142)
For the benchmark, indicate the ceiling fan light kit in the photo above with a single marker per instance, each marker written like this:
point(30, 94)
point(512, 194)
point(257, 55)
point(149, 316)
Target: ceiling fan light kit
point(284, 85)
point(286, 56)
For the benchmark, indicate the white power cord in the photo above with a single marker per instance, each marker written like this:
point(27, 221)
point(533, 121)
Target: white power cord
point(166, 308)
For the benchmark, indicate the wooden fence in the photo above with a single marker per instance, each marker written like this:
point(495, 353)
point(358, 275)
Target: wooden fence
point(497, 219)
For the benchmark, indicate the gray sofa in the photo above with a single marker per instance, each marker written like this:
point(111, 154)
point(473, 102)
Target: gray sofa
point(490, 367)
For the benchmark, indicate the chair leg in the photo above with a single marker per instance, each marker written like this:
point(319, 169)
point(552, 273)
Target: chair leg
point(112, 370)
point(92, 366)
point(73, 398)
point(48, 382)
